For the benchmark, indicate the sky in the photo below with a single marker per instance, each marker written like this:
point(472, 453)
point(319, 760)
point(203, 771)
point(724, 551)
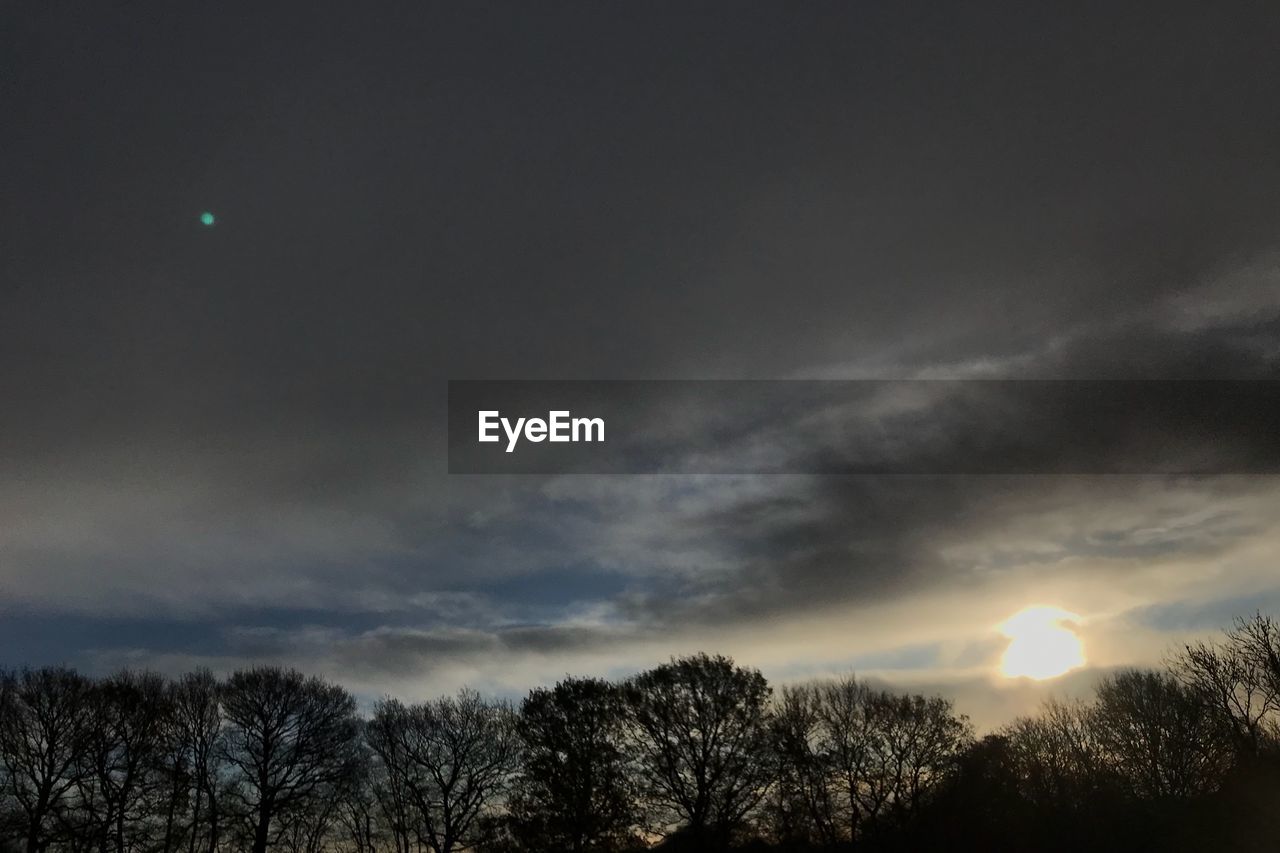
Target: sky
point(225, 445)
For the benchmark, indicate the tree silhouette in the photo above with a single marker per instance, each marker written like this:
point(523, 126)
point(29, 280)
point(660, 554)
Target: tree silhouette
point(1156, 738)
point(389, 773)
point(702, 727)
point(197, 727)
point(802, 807)
point(289, 739)
point(121, 763)
point(857, 758)
point(452, 757)
point(1057, 757)
point(694, 754)
point(44, 735)
point(1237, 680)
point(574, 790)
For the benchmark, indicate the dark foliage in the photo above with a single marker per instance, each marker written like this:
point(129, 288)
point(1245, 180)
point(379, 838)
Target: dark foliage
point(575, 791)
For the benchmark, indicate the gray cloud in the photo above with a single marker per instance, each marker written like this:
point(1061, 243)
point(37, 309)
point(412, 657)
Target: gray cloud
point(217, 426)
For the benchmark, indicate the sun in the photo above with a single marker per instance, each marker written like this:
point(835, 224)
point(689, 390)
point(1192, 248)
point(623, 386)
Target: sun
point(1041, 645)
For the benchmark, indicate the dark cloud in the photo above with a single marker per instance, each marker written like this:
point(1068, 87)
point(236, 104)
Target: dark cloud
point(201, 423)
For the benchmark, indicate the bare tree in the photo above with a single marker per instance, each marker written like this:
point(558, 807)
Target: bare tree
point(855, 757)
point(1237, 680)
point(852, 739)
point(1157, 738)
point(922, 737)
point(389, 772)
point(197, 750)
point(358, 815)
point(703, 731)
point(574, 790)
point(1056, 755)
point(121, 762)
point(44, 730)
point(453, 757)
point(802, 806)
point(289, 740)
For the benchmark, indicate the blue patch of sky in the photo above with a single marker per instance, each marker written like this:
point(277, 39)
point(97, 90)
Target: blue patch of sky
point(40, 637)
point(1193, 615)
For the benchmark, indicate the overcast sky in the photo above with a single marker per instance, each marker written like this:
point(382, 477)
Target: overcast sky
point(224, 445)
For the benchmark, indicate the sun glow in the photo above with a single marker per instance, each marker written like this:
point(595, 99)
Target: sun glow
point(1042, 643)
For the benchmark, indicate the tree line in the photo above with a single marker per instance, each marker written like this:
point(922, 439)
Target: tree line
point(695, 754)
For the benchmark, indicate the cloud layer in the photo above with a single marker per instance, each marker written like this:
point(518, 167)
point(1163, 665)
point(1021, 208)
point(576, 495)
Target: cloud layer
point(227, 445)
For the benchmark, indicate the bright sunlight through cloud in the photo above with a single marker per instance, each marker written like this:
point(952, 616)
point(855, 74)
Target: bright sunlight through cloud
point(1040, 644)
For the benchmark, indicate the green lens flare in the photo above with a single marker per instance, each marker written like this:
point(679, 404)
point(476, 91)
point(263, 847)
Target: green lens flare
point(207, 218)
